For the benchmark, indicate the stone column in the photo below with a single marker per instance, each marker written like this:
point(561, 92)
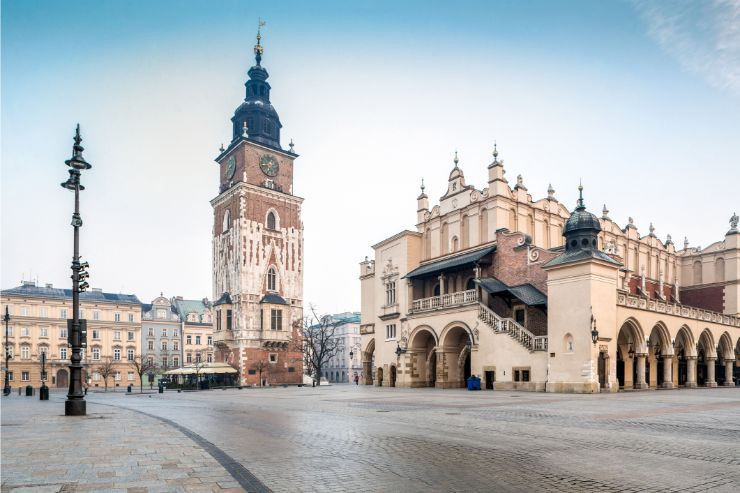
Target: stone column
point(729, 367)
point(367, 370)
point(667, 371)
point(441, 284)
point(640, 383)
point(710, 371)
point(691, 372)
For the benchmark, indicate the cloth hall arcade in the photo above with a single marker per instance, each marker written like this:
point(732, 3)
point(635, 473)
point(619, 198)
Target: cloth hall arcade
point(529, 295)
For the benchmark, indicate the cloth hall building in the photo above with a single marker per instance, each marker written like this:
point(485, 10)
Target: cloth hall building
point(528, 295)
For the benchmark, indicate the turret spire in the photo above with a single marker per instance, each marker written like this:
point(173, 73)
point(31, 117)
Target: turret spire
point(258, 49)
point(581, 204)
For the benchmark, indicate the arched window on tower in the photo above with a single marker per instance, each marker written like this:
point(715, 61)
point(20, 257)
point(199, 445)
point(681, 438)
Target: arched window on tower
point(719, 270)
point(227, 221)
point(271, 221)
point(271, 279)
point(454, 244)
point(697, 272)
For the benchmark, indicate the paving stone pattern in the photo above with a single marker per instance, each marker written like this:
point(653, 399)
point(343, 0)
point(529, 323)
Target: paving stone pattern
point(357, 438)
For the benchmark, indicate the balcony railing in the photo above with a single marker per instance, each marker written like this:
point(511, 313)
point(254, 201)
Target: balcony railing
point(445, 301)
point(509, 326)
point(677, 310)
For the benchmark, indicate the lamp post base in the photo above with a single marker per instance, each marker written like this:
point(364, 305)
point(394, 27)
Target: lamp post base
point(75, 407)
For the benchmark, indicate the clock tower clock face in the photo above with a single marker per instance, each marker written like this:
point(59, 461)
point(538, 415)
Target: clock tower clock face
point(230, 168)
point(269, 165)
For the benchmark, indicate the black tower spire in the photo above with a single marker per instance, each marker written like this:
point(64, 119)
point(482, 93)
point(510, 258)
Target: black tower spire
point(256, 118)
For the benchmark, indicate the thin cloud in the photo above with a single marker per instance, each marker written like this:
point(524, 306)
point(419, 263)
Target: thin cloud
point(704, 36)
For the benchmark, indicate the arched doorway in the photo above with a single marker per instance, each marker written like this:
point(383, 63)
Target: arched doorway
point(725, 361)
point(62, 379)
point(685, 360)
point(380, 377)
point(631, 356)
point(422, 350)
point(660, 358)
point(368, 362)
point(455, 348)
point(705, 360)
point(393, 376)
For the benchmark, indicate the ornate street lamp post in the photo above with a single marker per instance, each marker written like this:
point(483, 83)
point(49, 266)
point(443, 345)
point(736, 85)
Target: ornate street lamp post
point(75, 404)
point(6, 319)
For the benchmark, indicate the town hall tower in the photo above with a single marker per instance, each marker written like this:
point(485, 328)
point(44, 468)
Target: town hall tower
point(258, 244)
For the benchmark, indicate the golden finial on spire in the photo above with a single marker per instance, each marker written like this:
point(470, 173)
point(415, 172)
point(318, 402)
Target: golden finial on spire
point(258, 49)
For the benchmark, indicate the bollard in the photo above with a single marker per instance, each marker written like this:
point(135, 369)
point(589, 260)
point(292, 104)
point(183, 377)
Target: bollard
point(44, 393)
point(29, 391)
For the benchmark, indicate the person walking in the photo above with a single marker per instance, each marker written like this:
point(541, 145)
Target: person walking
point(357, 379)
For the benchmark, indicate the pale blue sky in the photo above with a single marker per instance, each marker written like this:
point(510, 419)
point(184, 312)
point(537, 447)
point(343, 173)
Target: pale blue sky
point(641, 100)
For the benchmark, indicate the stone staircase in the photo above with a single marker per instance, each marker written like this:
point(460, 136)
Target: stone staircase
point(509, 326)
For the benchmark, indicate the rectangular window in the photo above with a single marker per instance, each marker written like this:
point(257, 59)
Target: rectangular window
point(161, 313)
point(150, 359)
point(130, 376)
point(175, 361)
point(25, 332)
point(63, 313)
point(130, 317)
point(117, 376)
point(273, 358)
point(10, 331)
point(218, 320)
point(210, 340)
point(116, 335)
point(252, 372)
point(25, 352)
point(175, 345)
point(25, 376)
point(189, 358)
point(44, 312)
point(96, 334)
point(519, 316)
point(390, 293)
point(151, 345)
point(197, 340)
point(117, 317)
point(197, 357)
point(164, 332)
point(188, 339)
point(96, 376)
point(390, 331)
point(24, 311)
point(11, 352)
point(63, 353)
point(96, 353)
point(151, 332)
point(63, 332)
point(291, 369)
point(130, 354)
point(130, 335)
point(44, 332)
point(10, 376)
point(117, 354)
point(228, 319)
point(43, 350)
point(175, 333)
point(525, 375)
point(164, 345)
point(82, 353)
point(276, 319)
point(82, 313)
point(210, 358)
point(96, 315)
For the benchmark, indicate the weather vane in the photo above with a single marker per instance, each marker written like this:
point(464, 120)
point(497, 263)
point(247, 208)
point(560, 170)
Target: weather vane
point(258, 49)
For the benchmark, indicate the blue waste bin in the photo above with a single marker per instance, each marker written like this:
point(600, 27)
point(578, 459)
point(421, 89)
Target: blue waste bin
point(473, 383)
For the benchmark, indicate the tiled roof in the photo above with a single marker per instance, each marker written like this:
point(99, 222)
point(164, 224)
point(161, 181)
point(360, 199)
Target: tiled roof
point(527, 293)
point(579, 255)
point(274, 299)
point(43, 292)
point(346, 318)
point(225, 299)
point(450, 262)
point(189, 306)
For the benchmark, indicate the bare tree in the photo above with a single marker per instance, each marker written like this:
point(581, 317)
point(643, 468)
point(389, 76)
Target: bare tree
point(106, 369)
point(260, 366)
point(141, 365)
point(319, 343)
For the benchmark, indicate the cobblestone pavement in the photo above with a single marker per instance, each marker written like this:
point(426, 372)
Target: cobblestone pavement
point(109, 450)
point(345, 438)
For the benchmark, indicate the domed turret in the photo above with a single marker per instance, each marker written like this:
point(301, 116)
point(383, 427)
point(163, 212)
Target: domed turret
point(582, 228)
